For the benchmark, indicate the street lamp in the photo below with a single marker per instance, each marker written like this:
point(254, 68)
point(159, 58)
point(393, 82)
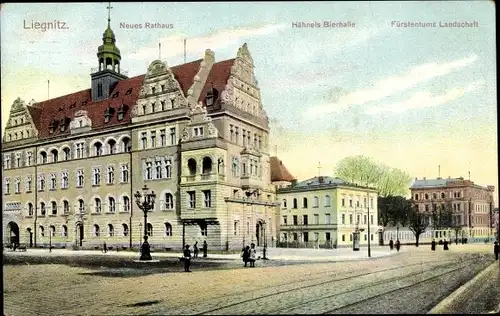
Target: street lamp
point(145, 202)
point(264, 224)
point(369, 223)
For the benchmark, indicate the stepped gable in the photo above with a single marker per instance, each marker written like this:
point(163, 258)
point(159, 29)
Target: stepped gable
point(278, 171)
point(218, 76)
point(43, 113)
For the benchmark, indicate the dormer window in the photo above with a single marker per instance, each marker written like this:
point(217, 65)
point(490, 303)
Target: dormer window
point(108, 113)
point(116, 94)
point(63, 124)
point(211, 97)
point(129, 91)
point(52, 126)
point(121, 111)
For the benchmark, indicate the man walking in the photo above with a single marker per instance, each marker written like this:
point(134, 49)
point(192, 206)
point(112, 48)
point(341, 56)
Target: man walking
point(391, 244)
point(205, 246)
point(195, 250)
point(496, 250)
point(187, 258)
point(398, 245)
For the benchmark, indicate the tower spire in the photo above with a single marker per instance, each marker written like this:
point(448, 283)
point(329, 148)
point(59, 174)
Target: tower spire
point(109, 13)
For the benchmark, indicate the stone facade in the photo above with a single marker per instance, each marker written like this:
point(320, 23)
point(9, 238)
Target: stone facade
point(196, 134)
point(325, 211)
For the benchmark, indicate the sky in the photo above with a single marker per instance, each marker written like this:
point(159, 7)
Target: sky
point(414, 97)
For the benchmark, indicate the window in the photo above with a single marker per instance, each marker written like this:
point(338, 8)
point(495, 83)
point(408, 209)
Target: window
point(124, 173)
point(327, 219)
point(144, 109)
point(149, 229)
point(285, 219)
point(52, 230)
point(168, 230)
point(207, 197)
point(159, 170)
point(64, 180)
point(79, 178)
point(30, 209)
point(316, 219)
point(350, 202)
point(29, 158)
point(371, 202)
point(191, 199)
point(144, 140)
point(343, 202)
point(163, 138)
point(29, 182)
point(111, 146)
point(203, 229)
point(153, 139)
point(42, 231)
point(41, 182)
point(18, 160)
point(350, 218)
point(126, 145)
point(235, 167)
point(295, 220)
point(198, 131)
point(173, 138)
point(96, 230)
point(327, 236)
point(7, 186)
point(306, 236)
point(64, 231)
point(53, 182)
point(316, 237)
point(153, 107)
point(162, 105)
point(54, 208)
point(96, 176)
point(65, 207)
point(42, 208)
point(80, 150)
point(99, 90)
point(426, 196)
point(327, 201)
point(97, 149)
point(17, 185)
point(294, 203)
point(343, 219)
point(364, 219)
point(111, 204)
point(416, 197)
point(149, 171)
point(169, 201)
point(111, 175)
point(315, 201)
point(66, 153)
point(371, 219)
point(304, 220)
point(125, 229)
point(126, 204)
point(168, 168)
point(111, 230)
point(6, 162)
point(284, 203)
point(43, 157)
point(235, 228)
point(81, 206)
point(97, 205)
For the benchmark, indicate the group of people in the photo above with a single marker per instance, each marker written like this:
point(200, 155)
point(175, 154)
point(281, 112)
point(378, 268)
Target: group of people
point(186, 255)
point(249, 254)
point(392, 244)
point(445, 244)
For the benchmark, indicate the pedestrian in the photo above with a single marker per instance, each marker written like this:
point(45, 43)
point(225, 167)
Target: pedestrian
point(398, 245)
point(253, 255)
point(433, 245)
point(195, 250)
point(496, 250)
point(391, 244)
point(205, 248)
point(445, 245)
point(245, 254)
point(104, 247)
point(187, 258)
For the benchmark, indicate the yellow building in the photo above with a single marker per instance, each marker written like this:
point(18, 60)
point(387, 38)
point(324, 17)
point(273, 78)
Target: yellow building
point(325, 212)
point(196, 134)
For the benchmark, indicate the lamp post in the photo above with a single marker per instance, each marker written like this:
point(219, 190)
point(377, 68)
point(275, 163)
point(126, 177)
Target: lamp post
point(369, 236)
point(145, 202)
point(264, 224)
point(50, 239)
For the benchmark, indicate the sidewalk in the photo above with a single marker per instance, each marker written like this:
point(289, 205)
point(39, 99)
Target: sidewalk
point(282, 254)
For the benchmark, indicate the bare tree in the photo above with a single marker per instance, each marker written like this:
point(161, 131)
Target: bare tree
point(418, 221)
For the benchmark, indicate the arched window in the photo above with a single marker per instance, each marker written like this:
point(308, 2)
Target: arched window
point(111, 230)
point(294, 203)
point(52, 230)
point(66, 153)
point(43, 157)
point(79, 178)
point(111, 146)
point(126, 204)
point(97, 205)
point(315, 201)
point(192, 167)
point(442, 195)
point(96, 179)
point(42, 208)
point(207, 165)
point(126, 145)
point(81, 206)
point(55, 155)
point(30, 209)
point(327, 201)
point(426, 196)
point(304, 204)
point(168, 229)
point(54, 208)
point(98, 149)
point(149, 229)
point(65, 207)
point(124, 173)
point(42, 231)
point(125, 229)
point(111, 204)
point(434, 195)
point(96, 230)
point(284, 203)
point(64, 231)
point(416, 197)
point(111, 175)
point(169, 201)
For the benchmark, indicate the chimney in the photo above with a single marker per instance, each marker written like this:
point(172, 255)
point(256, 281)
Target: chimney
point(321, 179)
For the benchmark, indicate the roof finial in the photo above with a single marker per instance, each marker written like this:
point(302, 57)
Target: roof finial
point(109, 12)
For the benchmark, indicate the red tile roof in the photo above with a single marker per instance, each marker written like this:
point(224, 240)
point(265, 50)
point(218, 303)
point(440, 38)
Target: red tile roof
point(279, 171)
point(43, 113)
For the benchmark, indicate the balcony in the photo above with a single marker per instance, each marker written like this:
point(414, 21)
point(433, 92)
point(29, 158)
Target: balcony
point(248, 181)
point(203, 177)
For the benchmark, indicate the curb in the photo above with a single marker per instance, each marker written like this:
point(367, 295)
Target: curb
point(463, 291)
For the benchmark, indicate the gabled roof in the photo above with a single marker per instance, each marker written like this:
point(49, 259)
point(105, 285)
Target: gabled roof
point(278, 171)
point(43, 113)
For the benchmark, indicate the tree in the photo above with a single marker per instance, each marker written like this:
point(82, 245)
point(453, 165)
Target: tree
point(417, 220)
point(367, 172)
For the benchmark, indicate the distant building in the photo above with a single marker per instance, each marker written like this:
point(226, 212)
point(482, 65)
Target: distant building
point(471, 204)
point(325, 212)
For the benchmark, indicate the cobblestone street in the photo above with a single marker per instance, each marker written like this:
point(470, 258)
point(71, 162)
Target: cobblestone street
point(412, 281)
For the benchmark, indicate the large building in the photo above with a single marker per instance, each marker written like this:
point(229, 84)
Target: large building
point(471, 205)
point(196, 134)
point(326, 212)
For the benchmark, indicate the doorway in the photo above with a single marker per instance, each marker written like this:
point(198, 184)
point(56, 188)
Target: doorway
point(13, 229)
point(79, 233)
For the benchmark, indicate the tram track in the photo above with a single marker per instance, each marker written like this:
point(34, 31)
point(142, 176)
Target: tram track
point(309, 283)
